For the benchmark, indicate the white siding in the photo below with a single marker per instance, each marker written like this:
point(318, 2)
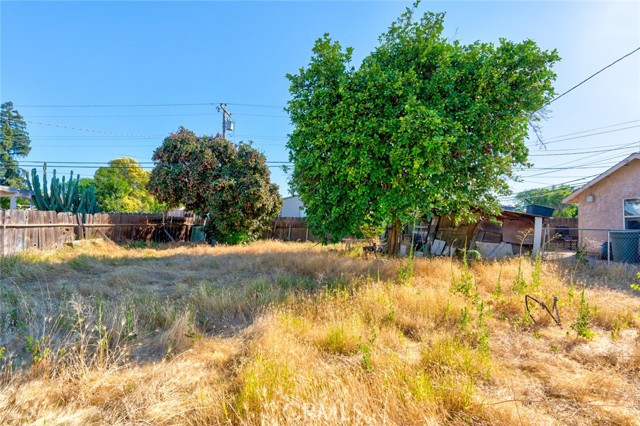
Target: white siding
point(292, 207)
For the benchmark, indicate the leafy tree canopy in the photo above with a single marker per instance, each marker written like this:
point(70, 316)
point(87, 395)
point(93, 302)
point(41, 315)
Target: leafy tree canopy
point(212, 176)
point(424, 125)
point(122, 187)
point(14, 143)
point(550, 197)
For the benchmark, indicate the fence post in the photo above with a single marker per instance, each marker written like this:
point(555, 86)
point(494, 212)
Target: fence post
point(537, 235)
point(608, 248)
point(289, 237)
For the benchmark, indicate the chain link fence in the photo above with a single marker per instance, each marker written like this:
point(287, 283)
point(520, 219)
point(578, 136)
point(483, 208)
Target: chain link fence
point(611, 245)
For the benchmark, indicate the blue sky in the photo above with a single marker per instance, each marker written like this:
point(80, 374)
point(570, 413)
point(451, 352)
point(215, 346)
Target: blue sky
point(62, 63)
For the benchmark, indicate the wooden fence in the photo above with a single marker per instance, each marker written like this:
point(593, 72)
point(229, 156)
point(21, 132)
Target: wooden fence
point(31, 229)
point(43, 230)
point(554, 222)
point(290, 229)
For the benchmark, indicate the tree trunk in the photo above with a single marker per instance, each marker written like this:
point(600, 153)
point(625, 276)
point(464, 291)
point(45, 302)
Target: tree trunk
point(392, 246)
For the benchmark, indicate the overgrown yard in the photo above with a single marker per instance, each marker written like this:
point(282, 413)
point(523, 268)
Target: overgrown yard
point(275, 333)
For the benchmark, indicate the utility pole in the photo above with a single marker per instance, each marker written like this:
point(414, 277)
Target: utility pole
point(227, 124)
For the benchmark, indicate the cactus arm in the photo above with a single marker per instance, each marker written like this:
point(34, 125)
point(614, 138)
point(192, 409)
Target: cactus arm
point(44, 184)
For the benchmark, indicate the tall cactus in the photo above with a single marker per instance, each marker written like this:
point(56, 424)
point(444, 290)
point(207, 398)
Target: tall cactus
point(62, 196)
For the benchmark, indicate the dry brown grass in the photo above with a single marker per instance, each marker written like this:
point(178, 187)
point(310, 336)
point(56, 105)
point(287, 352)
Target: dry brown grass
point(295, 334)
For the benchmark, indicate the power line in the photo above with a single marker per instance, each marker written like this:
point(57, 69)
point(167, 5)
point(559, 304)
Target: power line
point(154, 115)
point(589, 135)
point(120, 105)
point(630, 144)
point(151, 105)
point(79, 166)
point(108, 132)
point(591, 76)
point(107, 162)
point(593, 130)
point(567, 183)
point(579, 151)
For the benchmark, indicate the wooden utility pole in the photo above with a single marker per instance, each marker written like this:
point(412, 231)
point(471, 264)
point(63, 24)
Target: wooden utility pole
point(225, 114)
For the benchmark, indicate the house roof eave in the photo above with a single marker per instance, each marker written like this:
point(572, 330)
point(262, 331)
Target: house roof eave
point(573, 197)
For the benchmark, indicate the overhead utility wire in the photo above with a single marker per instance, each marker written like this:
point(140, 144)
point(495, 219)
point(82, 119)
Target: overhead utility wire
point(107, 132)
point(594, 129)
point(150, 105)
point(569, 168)
point(580, 151)
point(574, 186)
point(107, 163)
point(78, 166)
point(591, 76)
point(118, 105)
point(590, 134)
point(591, 156)
point(153, 115)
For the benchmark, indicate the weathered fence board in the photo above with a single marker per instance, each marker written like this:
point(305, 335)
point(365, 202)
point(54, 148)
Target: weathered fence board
point(32, 229)
point(22, 230)
point(290, 229)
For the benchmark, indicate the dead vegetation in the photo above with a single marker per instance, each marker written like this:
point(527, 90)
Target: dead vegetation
point(294, 334)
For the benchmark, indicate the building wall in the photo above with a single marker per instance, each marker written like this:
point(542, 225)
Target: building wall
point(292, 207)
point(606, 209)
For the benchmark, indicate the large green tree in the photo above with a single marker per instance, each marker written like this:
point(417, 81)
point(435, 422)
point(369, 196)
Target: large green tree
point(122, 187)
point(423, 125)
point(229, 183)
point(14, 143)
point(550, 197)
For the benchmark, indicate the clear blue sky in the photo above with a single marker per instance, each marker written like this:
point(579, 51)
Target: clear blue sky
point(144, 53)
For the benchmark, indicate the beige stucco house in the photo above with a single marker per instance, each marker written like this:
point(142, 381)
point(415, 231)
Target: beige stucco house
point(611, 200)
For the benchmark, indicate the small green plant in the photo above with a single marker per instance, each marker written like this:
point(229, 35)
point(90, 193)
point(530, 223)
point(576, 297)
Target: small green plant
point(554, 348)
point(497, 290)
point(464, 284)
point(2, 351)
point(483, 330)
point(366, 350)
point(581, 255)
point(582, 325)
point(571, 292)
point(473, 255)
point(139, 244)
point(465, 319)
point(615, 330)
point(536, 276)
point(102, 344)
point(390, 316)
point(192, 332)
point(38, 349)
point(405, 273)
point(636, 286)
point(523, 321)
point(519, 283)
point(129, 324)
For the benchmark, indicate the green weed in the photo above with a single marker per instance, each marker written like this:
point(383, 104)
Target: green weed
point(582, 324)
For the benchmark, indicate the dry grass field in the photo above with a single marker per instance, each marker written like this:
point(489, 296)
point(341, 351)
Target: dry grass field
point(294, 334)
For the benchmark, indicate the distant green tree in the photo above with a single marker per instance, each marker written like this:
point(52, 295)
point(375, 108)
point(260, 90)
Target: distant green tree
point(423, 125)
point(14, 143)
point(229, 183)
point(86, 183)
point(122, 187)
point(550, 197)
